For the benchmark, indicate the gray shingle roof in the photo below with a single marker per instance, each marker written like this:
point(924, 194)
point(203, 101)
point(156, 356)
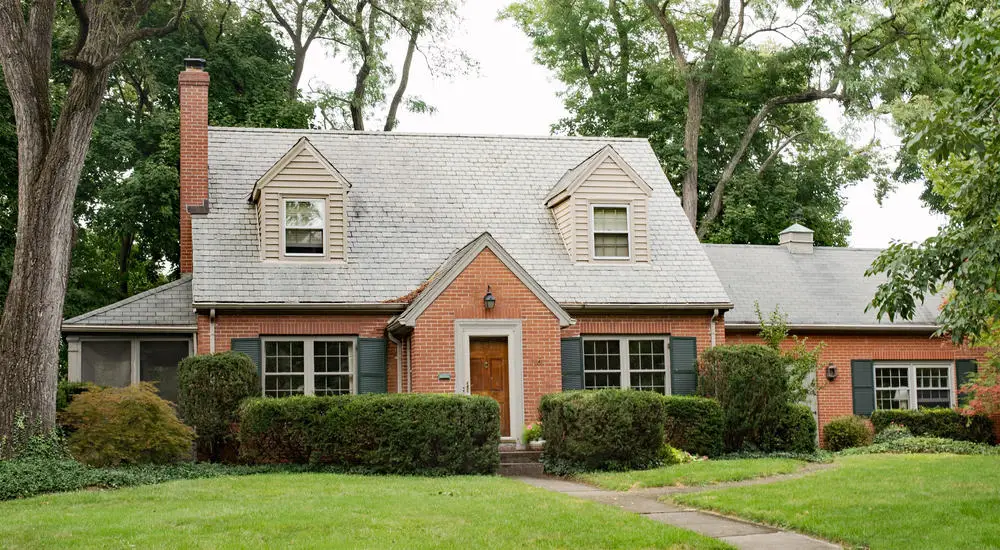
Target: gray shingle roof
point(827, 287)
point(417, 198)
point(165, 306)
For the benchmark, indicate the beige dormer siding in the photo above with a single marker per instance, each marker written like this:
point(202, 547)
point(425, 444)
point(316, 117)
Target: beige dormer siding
point(301, 173)
point(603, 180)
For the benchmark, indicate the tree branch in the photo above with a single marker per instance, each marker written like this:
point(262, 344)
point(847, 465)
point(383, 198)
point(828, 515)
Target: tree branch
point(777, 151)
point(155, 32)
point(404, 77)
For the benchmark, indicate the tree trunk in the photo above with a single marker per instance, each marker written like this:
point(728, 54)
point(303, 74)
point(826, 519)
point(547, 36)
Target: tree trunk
point(404, 78)
point(692, 134)
point(297, 67)
point(32, 316)
point(124, 255)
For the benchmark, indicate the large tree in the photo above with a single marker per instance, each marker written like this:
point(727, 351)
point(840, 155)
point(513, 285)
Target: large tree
point(52, 148)
point(725, 90)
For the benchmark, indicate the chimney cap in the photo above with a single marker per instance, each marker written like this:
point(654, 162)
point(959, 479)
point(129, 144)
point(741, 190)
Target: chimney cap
point(194, 63)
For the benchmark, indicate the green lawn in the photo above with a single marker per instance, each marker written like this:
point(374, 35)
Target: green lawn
point(330, 510)
point(693, 473)
point(880, 501)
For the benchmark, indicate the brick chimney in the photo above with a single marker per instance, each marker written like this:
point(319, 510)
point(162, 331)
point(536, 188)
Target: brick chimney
point(797, 239)
point(193, 86)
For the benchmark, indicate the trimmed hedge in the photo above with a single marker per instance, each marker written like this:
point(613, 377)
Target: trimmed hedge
point(846, 432)
point(925, 445)
point(602, 430)
point(211, 388)
point(944, 423)
point(694, 424)
point(385, 434)
point(793, 432)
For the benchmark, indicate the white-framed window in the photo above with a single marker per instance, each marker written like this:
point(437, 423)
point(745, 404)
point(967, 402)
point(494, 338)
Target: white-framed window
point(610, 231)
point(122, 360)
point(636, 362)
point(304, 226)
point(906, 385)
point(297, 365)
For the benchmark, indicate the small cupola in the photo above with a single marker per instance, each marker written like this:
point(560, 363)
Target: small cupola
point(797, 239)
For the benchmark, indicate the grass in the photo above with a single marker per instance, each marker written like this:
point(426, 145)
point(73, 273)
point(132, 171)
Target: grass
point(693, 473)
point(880, 501)
point(331, 510)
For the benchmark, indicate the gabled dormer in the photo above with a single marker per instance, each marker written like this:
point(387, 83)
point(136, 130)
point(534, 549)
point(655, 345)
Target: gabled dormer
point(600, 208)
point(301, 207)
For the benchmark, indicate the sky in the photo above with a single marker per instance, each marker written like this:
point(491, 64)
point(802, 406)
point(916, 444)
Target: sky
point(510, 94)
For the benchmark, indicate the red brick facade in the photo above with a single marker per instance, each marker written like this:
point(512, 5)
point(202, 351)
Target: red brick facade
point(697, 325)
point(835, 398)
point(193, 87)
point(434, 334)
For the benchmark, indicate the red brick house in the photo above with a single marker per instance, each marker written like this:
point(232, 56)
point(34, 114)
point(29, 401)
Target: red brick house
point(357, 262)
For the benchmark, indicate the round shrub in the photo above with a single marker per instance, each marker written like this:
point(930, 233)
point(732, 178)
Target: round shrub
point(846, 432)
point(892, 432)
point(693, 424)
point(602, 430)
point(750, 382)
point(211, 390)
point(130, 425)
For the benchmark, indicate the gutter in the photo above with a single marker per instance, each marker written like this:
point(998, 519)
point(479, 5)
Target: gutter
point(399, 361)
point(711, 325)
point(307, 306)
point(747, 327)
point(211, 331)
point(171, 329)
point(647, 308)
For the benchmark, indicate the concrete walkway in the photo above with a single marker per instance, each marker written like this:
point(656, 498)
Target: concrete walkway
point(740, 534)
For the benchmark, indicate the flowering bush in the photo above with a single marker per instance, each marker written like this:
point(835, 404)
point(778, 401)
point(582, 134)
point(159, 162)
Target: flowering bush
point(533, 432)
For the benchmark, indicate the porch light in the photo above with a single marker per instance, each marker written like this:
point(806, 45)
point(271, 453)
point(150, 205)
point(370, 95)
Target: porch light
point(489, 300)
point(831, 372)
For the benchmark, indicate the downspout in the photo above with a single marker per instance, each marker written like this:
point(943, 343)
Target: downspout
point(211, 330)
point(399, 361)
point(409, 366)
point(711, 325)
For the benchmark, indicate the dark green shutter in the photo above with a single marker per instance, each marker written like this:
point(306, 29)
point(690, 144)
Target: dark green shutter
point(572, 363)
point(863, 382)
point(963, 368)
point(372, 365)
point(249, 346)
point(683, 365)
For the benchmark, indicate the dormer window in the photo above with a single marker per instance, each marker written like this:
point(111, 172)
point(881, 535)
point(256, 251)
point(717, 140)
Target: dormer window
point(304, 227)
point(610, 232)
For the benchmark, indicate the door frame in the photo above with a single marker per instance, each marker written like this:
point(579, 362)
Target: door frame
point(465, 329)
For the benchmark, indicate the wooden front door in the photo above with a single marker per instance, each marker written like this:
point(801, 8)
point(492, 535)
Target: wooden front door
point(488, 374)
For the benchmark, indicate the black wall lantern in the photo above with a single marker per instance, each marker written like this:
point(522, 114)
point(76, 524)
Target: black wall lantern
point(489, 300)
point(831, 372)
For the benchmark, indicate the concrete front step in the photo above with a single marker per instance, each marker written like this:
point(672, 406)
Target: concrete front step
point(521, 469)
point(517, 457)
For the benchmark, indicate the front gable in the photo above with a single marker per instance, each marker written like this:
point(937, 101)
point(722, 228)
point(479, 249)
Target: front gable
point(301, 173)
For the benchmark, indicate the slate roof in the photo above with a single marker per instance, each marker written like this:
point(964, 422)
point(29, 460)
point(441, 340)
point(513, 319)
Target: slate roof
point(167, 305)
point(827, 287)
point(415, 199)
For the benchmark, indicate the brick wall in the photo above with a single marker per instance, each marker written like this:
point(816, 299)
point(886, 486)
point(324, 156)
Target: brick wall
point(434, 334)
point(835, 398)
point(193, 86)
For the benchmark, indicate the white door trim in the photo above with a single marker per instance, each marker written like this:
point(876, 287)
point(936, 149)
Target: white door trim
point(510, 328)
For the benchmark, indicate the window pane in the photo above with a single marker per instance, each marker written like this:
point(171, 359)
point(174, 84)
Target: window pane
point(158, 363)
point(332, 357)
point(303, 241)
point(650, 381)
point(892, 387)
point(602, 380)
point(932, 387)
point(284, 368)
point(648, 365)
point(612, 245)
point(304, 213)
point(106, 363)
point(610, 219)
point(601, 364)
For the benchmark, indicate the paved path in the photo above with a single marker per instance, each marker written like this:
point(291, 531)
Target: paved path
point(741, 534)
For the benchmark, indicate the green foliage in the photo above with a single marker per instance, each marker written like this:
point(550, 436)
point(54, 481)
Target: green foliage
point(67, 391)
point(955, 141)
point(794, 432)
point(131, 425)
point(385, 434)
point(892, 432)
point(802, 362)
point(846, 432)
point(602, 430)
point(533, 432)
point(27, 477)
point(926, 445)
point(211, 388)
point(694, 424)
point(818, 456)
point(30, 440)
point(944, 423)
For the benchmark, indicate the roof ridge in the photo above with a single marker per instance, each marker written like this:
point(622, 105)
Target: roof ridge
point(753, 245)
point(421, 134)
point(135, 297)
